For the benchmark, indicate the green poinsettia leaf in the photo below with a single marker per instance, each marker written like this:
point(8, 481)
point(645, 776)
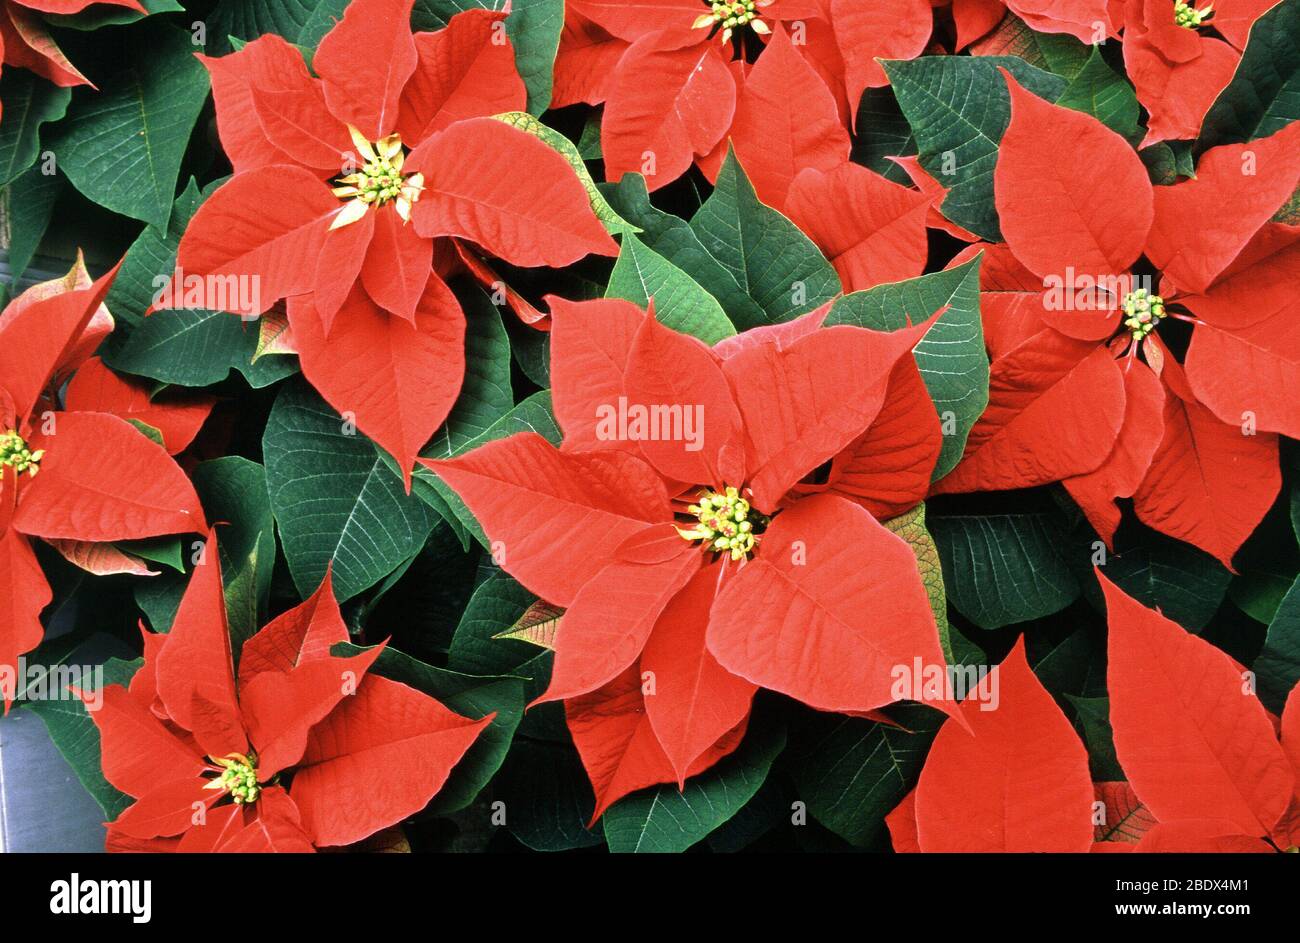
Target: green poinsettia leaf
point(29, 102)
point(1184, 583)
point(232, 490)
point(951, 356)
point(959, 108)
point(1098, 90)
point(28, 205)
point(335, 500)
point(1264, 94)
point(851, 772)
point(641, 274)
point(672, 238)
point(77, 738)
point(486, 394)
point(882, 132)
point(122, 145)
point(1278, 664)
point(1092, 716)
point(1059, 53)
point(302, 22)
point(547, 797)
point(186, 347)
point(774, 263)
point(1000, 569)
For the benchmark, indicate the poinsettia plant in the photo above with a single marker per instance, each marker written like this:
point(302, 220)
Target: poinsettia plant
point(703, 559)
point(273, 761)
point(651, 426)
point(1180, 440)
point(346, 181)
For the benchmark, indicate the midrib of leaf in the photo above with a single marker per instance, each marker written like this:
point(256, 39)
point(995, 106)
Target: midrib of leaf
point(1200, 469)
point(949, 109)
point(800, 591)
point(373, 747)
point(118, 498)
point(359, 502)
point(184, 327)
point(144, 124)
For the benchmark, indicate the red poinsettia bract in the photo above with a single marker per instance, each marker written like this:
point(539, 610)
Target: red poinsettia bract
point(871, 229)
point(351, 187)
point(1207, 768)
point(1195, 444)
point(26, 42)
point(677, 87)
point(76, 475)
point(302, 750)
point(1089, 21)
point(702, 560)
point(1175, 67)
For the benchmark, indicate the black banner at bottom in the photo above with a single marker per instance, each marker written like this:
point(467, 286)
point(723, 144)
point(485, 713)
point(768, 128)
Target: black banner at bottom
point(530, 894)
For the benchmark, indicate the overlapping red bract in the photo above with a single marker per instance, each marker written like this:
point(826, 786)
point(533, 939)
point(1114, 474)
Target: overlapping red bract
point(340, 754)
point(378, 331)
point(101, 479)
point(1194, 444)
point(674, 95)
point(1206, 771)
point(589, 526)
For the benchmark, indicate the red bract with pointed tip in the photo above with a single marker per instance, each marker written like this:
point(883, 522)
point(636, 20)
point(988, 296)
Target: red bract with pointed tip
point(682, 527)
point(871, 229)
point(1195, 444)
point(305, 750)
point(73, 475)
point(1191, 735)
point(1206, 771)
point(25, 41)
point(1016, 781)
point(95, 388)
point(99, 326)
point(683, 80)
point(1177, 69)
point(345, 185)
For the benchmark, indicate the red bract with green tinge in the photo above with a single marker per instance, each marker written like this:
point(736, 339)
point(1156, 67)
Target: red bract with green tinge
point(347, 184)
point(303, 750)
point(710, 559)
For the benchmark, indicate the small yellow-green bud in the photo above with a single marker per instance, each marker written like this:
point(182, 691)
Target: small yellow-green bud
point(1188, 17)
